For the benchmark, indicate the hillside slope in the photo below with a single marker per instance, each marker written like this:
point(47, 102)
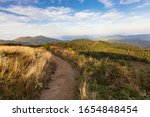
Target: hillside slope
point(136, 42)
point(8, 42)
point(107, 70)
point(36, 40)
point(142, 40)
point(102, 49)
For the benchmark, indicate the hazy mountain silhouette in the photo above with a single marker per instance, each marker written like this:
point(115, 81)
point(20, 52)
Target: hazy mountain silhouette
point(138, 40)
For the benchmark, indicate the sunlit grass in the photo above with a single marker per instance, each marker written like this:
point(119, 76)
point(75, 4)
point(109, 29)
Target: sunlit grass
point(105, 78)
point(23, 71)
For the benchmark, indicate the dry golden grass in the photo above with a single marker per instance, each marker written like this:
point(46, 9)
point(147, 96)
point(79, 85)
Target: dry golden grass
point(23, 71)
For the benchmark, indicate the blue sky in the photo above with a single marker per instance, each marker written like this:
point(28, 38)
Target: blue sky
point(57, 18)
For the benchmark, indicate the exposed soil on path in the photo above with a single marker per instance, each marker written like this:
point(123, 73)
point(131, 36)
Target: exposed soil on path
point(62, 85)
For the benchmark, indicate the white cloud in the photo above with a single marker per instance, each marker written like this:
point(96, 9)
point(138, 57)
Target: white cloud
point(129, 1)
point(87, 15)
point(146, 4)
point(39, 14)
point(113, 15)
point(107, 3)
point(53, 14)
point(59, 21)
point(4, 18)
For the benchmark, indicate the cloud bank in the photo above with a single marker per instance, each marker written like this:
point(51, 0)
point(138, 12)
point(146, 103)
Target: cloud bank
point(55, 22)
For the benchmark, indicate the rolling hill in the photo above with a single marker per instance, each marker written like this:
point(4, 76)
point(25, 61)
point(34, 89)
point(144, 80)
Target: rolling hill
point(107, 70)
point(136, 42)
point(30, 40)
point(3, 42)
point(142, 40)
point(75, 37)
point(103, 49)
point(36, 40)
point(12, 42)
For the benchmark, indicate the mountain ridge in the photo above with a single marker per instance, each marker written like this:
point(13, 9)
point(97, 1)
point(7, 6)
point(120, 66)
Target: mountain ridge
point(36, 40)
point(28, 40)
point(142, 40)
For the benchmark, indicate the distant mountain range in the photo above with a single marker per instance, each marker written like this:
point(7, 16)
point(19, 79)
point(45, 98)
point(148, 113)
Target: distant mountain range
point(30, 40)
point(137, 40)
point(36, 40)
point(8, 42)
point(74, 37)
point(142, 40)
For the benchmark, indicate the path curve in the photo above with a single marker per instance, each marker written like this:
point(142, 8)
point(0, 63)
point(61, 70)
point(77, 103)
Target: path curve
point(62, 85)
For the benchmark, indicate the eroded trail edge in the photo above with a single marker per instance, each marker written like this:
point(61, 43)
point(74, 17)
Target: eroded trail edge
point(62, 85)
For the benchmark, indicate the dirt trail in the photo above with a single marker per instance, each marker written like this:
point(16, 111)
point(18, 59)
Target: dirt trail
point(62, 86)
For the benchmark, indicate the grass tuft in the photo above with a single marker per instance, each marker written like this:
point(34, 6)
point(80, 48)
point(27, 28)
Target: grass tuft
point(23, 71)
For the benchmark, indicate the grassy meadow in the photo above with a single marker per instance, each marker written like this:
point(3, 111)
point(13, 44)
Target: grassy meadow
point(23, 71)
point(107, 70)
